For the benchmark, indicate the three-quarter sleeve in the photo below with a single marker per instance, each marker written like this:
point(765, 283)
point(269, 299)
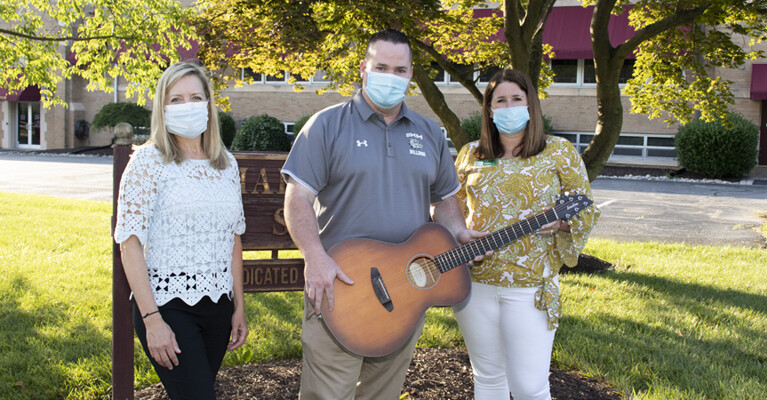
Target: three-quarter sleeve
point(136, 198)
point(460, 166)
point(574, 180)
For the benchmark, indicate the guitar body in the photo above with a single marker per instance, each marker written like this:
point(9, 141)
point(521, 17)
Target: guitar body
point(394, 284)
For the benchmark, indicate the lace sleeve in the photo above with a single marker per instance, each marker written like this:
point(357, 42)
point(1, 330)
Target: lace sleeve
point(239, 228)
point(135, 201)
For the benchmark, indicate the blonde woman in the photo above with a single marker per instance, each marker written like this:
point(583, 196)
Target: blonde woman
point(179, 221)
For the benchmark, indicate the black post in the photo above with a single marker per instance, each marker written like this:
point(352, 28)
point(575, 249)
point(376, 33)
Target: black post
point(122, 321)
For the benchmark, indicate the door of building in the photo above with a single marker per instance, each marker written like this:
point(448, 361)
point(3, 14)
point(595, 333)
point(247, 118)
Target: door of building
point(763, 135)
point(28, 125)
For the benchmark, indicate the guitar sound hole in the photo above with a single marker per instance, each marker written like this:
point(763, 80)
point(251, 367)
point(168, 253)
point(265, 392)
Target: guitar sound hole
point(423, 273)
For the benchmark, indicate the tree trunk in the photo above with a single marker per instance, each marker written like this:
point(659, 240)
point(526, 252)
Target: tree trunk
point(607, 66)
point(609, 120)
point(437, 103)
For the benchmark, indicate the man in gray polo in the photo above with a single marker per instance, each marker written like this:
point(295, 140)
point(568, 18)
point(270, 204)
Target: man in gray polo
point(367, 168)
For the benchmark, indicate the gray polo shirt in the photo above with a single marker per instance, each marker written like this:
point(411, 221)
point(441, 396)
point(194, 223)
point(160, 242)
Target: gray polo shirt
point(371, 180)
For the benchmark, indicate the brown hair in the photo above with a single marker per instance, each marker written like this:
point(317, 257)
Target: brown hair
point(164, 141)
point(391, 36)
point(534, 141)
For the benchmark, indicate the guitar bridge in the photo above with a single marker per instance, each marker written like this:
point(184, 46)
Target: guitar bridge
point(379, 288)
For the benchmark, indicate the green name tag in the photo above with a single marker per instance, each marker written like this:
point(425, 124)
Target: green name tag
point(485, 163)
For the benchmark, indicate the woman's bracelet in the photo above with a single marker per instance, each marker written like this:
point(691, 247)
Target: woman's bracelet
point(150, 313)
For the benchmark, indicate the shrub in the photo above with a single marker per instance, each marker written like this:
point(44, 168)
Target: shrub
point(114, 113)
point(713, 149)
point(547, 128)
point(262, 133)
point(227, 128)
point(300, 123)
point(472, 125)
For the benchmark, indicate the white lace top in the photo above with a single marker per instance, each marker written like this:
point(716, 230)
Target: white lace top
point(186, 217)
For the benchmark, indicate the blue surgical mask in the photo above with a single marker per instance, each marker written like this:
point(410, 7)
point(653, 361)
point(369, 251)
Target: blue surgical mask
point(187, 120)
point(386, 90)
point(511, 120)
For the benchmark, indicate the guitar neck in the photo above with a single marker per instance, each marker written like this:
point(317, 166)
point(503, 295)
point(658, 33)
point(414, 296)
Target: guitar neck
point(463, 254)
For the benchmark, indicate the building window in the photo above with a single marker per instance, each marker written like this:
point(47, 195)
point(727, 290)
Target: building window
point(319, 77)
point(565, 71)
point(298, 78)
point(463, 70)
point(282, 77)
point(439, 78)
point(279, 78)
point(482, 76)
point(634, 145)
point(289, 128)
point(627, 70)
point(248, 74)
point(488, 73)
point(583, 72)
point(589, 72)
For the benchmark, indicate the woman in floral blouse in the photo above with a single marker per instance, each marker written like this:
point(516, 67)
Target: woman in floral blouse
point(514, 172)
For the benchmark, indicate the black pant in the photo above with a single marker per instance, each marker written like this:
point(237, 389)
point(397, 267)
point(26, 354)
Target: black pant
point(202, 333)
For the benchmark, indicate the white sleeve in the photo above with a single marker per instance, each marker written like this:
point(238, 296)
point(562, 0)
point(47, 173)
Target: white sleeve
point(136, 198)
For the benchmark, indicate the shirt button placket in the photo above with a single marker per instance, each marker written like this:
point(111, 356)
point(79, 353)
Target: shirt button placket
point(389, 147)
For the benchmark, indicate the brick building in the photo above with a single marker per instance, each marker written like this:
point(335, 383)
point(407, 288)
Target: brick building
point(571, 105)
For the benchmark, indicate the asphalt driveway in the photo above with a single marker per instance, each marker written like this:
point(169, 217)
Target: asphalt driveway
point(645, 210)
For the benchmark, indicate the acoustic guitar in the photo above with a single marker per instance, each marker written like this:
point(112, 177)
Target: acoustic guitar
point(395, 283)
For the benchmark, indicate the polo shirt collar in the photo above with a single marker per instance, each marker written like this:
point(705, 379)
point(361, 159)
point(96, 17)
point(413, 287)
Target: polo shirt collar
point(366, 111)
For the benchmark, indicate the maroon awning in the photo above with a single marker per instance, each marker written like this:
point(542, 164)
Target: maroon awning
point(30, 94)
point(568, 31)
point(759, 82)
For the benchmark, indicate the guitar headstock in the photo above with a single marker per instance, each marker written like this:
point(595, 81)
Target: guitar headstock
point(568, 206)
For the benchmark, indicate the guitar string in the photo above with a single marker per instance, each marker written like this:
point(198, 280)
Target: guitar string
point(462, 254)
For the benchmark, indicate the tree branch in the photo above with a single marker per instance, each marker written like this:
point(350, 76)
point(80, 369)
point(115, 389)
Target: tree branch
point(601, 18)
point(672, 21)
point(62, 38)
point(449, 67)
point(437, 102)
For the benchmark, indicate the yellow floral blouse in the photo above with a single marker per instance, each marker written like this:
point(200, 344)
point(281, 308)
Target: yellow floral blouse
point(497, 193)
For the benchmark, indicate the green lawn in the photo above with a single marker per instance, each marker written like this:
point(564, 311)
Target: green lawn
point(671, 322)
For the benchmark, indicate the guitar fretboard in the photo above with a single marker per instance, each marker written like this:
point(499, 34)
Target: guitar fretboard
point(463, 254)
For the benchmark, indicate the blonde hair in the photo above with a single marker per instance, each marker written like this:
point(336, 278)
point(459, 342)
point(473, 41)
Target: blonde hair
point(166, 142)
point(534, 142)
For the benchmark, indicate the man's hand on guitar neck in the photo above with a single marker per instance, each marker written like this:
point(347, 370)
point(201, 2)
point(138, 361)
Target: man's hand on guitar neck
point(448, 214)
point(320, 273)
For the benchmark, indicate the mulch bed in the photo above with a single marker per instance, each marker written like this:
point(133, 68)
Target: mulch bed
point(443, 374)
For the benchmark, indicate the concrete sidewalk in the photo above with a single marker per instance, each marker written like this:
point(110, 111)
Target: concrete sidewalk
point(77, 177)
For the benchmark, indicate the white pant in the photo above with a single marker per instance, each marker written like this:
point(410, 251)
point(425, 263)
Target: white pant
point(508, 341)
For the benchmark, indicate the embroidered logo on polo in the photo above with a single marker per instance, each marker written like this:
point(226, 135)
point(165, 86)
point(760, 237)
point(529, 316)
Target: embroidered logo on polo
point(362, 143)
point(414, 140)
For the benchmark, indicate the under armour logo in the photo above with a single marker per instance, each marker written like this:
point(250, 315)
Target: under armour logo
point(361, 143)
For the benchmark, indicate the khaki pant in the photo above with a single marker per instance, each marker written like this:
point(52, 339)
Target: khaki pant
point(328, 372)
